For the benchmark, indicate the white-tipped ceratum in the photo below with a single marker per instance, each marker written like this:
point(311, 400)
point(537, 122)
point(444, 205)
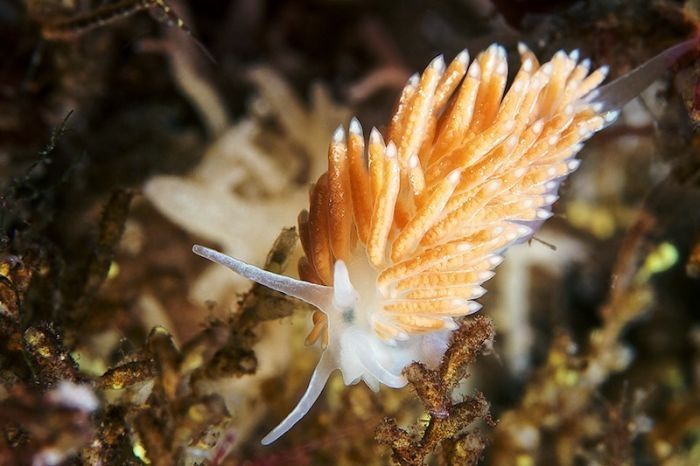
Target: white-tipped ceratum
point(403, 229)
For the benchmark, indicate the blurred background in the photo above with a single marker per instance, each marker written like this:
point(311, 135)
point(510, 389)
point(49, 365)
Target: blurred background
point(130, 130)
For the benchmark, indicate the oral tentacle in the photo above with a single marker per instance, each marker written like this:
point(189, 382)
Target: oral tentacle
point(326, 365)
point(317, 295)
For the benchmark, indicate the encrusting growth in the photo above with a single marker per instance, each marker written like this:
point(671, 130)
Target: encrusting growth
point(401, 234)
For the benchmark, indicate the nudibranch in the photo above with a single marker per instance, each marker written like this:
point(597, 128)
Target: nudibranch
point(401, 234)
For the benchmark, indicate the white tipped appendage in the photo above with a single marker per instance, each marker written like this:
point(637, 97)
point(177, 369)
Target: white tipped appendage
point(438, 64)
point(502, 68)
point(611, 116)
point(339, 134)
point(547, 69)
point(463, 56)
point(390, 150)
point(355, 126)
point(375, 137)
point(474, 70)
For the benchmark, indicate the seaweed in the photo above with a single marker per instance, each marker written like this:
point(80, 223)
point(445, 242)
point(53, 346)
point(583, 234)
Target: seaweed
point(447, 419)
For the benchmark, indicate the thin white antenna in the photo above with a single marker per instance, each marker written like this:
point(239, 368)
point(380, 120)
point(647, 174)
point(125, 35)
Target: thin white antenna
point(317, 295)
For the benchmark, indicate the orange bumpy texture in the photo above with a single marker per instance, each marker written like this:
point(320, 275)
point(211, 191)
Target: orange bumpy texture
point(467, 169)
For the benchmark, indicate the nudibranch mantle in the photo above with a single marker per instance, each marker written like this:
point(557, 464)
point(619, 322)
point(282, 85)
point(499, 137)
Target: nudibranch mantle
point(400, 237)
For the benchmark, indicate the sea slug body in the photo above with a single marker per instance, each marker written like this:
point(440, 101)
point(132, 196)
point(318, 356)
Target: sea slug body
point(403, 229)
